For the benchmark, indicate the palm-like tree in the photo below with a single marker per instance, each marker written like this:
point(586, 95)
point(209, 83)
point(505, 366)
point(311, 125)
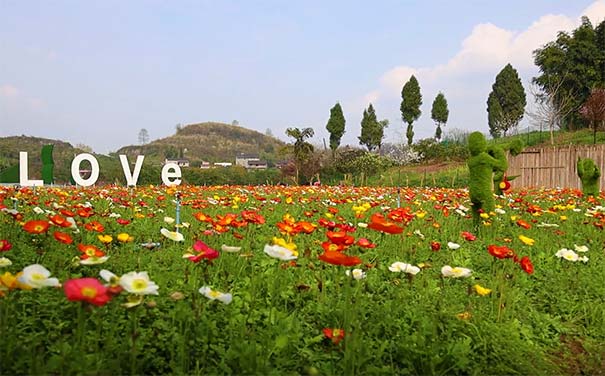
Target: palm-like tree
point(302, 150)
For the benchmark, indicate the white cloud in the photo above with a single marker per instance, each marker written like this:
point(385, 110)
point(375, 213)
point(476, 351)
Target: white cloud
point(467, 77)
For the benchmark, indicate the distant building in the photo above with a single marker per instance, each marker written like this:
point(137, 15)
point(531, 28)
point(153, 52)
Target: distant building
point(250, 161)
point(223, 164)
point(205, 165)
point(179, 162)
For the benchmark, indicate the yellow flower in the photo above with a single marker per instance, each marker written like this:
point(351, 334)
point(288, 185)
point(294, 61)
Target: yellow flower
point(481, 291)
point(464, 315)
point(563, 218)
point(421, 214)
point(283, 243)
point(125, 238)
point(484, 215)
point(526, 240)
point(105, 239)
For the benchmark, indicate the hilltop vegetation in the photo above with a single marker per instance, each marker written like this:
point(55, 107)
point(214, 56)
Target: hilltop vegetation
point(210, 141)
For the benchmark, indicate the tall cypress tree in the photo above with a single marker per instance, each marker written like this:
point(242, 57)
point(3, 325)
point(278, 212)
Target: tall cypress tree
point(439, 114)
point(372, 130)
point(506, 102)
point(336, 126)
point(410, 105)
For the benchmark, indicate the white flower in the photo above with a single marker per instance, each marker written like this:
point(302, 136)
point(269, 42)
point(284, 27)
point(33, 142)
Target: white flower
point(500, 211)
point(567, 254)
point(403, 267)
point(356, 273)
point(5, 262)
point(114, 215)
point(580, 248)
point(94, 260)
point(36, 276)
point(543, 224)
point(420, 234)
point(460, 212)
point(37, 210)
point(228, 248)
point(452, 245)
point(362, 224)
point(583, 259)
point(169, 220)
point(138, 283)
point(109, 277)
point(215, 295)
point(457, 272)
point(172, 235)
point(279, 252)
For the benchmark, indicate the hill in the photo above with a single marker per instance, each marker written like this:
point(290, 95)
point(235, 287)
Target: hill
point(210, 141)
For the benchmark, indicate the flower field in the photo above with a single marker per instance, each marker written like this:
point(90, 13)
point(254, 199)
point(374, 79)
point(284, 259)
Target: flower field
point(299, 280)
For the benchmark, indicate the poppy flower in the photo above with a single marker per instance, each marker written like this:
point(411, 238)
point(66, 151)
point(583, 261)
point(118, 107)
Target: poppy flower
point(138, 283)
point(305, 227)
point(37, 276)
point(339, 258)
point(435, 246)
point(90, 250)
point(5, 245)
point(36, 226)
point(334, 334)
point(59, 220)
point(500, 252)
point(365, 243)
point(504, 185)
point(203, 252)
point(340, 238)
point(94, 226)
point(481, 291)
point(522, 223)
point(379, 223)
point(63, 237)
point(457, 272)
point(468, 236)
point(86, 289)
point(279, 252)
point(526, 240)
point(526, 265)
point(125, 238)
point(122, 221)
point(253, 217)
point(211, 294)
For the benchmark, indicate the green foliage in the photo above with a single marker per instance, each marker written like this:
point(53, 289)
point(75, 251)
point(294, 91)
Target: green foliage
point(372, 130)
point(302, 150)
point(431, 150)
point(336, 126)
point(576, 61)
point(506, 102)
point(499, 170)
point(439, 114)
point(410, 105)
point(589, 175)
point(481, 166)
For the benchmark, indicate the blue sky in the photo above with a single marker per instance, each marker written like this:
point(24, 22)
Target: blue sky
point(97, 72)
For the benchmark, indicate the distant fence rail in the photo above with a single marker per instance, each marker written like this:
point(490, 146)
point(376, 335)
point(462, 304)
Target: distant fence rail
point(552, 167)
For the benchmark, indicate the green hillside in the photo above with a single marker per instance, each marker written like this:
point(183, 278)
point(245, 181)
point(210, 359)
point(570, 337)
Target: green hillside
point(213, 142)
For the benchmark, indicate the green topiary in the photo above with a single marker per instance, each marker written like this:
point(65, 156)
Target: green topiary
point(481, 166)
point(500, 170)
point(589, 176)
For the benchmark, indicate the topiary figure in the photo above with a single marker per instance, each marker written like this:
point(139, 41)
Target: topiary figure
point(500, 170)
point(589, 176)
point(481, 166)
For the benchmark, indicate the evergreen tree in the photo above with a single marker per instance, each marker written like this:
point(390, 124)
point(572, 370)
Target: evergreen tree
point(439, 114)
point(302, 150)
point(506, 103)
point(336, 126)
point(410, 105)
point(372, 130)
point(143, 136)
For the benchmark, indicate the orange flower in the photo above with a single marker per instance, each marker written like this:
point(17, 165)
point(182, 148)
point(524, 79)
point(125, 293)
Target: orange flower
point(331, 247)
point(340, 237)
point(334, 334)
point(522, 223)
point(90, 250)
point(339, 258)
point(500, 252)
point(94, 226)
point(59, 220)
point(202, 217)
point(306, 227)
point(63, 237)
point(253, 217)
point(379, 223)
point(36, 226)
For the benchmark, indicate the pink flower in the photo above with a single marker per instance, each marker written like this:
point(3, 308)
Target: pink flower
point(86, 289)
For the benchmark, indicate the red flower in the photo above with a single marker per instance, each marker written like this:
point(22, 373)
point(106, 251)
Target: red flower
point(122, 222)
point(334, 334)
point(203, 252)
point(379, 223)
point(522, 223)
point(468, 236)
point(94, 226)
point(435, 246)
point(36, 226)
point(402, 215)
point(59, 220)
point(526, 265)
point(331, 247)
point(86, 289)
point(305, 227)
point(90, 250)
point(253, 217)
point(339, 258)
point(500, 252)
point(365, 243)
point(340, 238)
point(504, 185)
point(63, 237)
point(5, 245)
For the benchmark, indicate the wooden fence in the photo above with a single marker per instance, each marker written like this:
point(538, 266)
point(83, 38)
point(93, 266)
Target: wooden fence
point(554, 167)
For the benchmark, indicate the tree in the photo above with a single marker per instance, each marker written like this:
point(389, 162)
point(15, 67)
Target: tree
point(179, 128)
point(410, 105)
point(143, 136)
point(551, 106)
point(506, 102)
point(302, 150)
point(593, 110)
point(372, 130)
point(336, 126)
point(439, 114)
point(577, 62)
